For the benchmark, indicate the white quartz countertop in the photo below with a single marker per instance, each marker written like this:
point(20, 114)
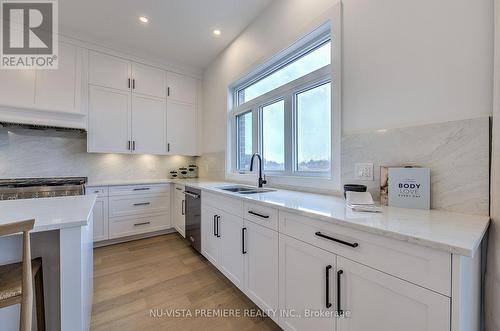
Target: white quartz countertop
point(447, 231)
point(49, 213)
point(128, 182)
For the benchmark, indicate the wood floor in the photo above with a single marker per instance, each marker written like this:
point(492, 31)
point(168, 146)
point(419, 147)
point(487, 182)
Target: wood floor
point(160, 274)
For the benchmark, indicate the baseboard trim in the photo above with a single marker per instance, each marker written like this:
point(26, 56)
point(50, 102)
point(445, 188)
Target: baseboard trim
point(132, 238)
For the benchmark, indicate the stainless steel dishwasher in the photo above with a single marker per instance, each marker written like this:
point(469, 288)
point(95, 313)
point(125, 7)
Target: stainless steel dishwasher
point(193, 217)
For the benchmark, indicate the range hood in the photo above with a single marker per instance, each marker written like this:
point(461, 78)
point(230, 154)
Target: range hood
point(35, 127)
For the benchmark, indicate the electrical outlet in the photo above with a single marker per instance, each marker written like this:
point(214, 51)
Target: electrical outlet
point(363, 171)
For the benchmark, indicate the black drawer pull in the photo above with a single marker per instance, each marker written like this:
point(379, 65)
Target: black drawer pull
point(218, 225)
point(143, 223)
point(178, 189)
point(142, 189)
point(353, 245)
point(243, 249)
point(215, 226)
point(142, 204)
point(339, 310)
point(257, 214)
point(328, 303)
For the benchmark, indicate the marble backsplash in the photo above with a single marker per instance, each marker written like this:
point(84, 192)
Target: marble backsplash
point(457, 153)
point(48, 154)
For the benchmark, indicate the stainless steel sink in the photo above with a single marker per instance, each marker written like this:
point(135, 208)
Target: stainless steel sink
point(240, 189)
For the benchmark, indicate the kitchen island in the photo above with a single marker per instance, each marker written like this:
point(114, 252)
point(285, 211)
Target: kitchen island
point(62, 237)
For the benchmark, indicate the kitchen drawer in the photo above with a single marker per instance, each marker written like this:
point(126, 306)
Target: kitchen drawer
point(263, 215)
point(101, 191)
point(229, 205)
point(139, 189)
point(179, 188)
point(419, 265)
point(138, 204)
point(127, 226)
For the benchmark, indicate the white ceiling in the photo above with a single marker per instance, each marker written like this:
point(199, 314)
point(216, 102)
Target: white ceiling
point(179, 31)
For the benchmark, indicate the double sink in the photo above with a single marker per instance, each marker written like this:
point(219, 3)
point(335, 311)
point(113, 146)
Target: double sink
point(240, 189)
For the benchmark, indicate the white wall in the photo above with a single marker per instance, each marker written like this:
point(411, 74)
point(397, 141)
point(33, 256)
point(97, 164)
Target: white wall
point(405, 62)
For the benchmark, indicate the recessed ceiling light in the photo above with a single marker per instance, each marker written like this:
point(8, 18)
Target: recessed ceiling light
point(143, 19)
point(216, 32)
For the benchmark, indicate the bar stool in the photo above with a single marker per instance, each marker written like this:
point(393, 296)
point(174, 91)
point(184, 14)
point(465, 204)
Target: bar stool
point(16, 280)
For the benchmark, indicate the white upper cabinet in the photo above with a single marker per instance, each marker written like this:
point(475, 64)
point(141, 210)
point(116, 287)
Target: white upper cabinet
point(182, 129)
point(60, 90)
point(46, 97)
point(148, 125)
point(17, 88)
point(377, 301)
point(182, 88)
point(109, 120)
point(109, 71)
point(150, 81)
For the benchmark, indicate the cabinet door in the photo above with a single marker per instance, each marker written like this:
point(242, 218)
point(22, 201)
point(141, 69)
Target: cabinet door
point(182, 88)
point(179, 211)
point(209, 239)
point(148, 125)
point(231, 251)
point(101, 219)
point(17, 88)
point(377, 301)
point(60, 89)
point(149, 80)
point(304, 271)
point(181, 129)
point(261, 265)
point(109, 120)
point(109, 71)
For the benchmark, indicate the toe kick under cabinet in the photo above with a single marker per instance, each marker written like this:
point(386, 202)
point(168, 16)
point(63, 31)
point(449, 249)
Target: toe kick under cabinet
point(307, 272)
point(128, 210)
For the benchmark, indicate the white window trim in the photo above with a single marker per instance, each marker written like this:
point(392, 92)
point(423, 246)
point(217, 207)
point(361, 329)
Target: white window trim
point(318, 184)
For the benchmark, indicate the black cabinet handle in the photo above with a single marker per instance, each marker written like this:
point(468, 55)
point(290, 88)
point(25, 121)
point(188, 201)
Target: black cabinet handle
point(133, 83)
point(128, 145)
point(183, 208)
point(353, 245)
point(218, 226)
point(141, 189)
point(328, 303)
point(168, 91)
point(129, 83)
point(143, 223)
point(257, 214)
point(215, 226)
point(339, 310)
point(243, 249)
point(142, 204)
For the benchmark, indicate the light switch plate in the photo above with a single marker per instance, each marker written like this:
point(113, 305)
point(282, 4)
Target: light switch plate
point(363, 171)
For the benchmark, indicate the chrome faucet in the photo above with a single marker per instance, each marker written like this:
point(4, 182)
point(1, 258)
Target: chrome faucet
point(262, 181)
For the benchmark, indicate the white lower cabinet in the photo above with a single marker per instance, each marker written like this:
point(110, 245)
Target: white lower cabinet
point(209, 239)
point(337, 283)
point(125, 210)
point(101, 219)
point(179, 210)
point(306, 285)
point(376, 301)
point(229, 233)
point(261, 265)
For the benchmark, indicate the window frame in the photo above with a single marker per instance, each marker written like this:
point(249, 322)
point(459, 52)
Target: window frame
point(292, 178)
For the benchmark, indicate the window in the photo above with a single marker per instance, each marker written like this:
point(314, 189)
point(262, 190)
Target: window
point(313, 129)
point(244, 140)
point(273, 136)
point(283, 111)
point(316, 59)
